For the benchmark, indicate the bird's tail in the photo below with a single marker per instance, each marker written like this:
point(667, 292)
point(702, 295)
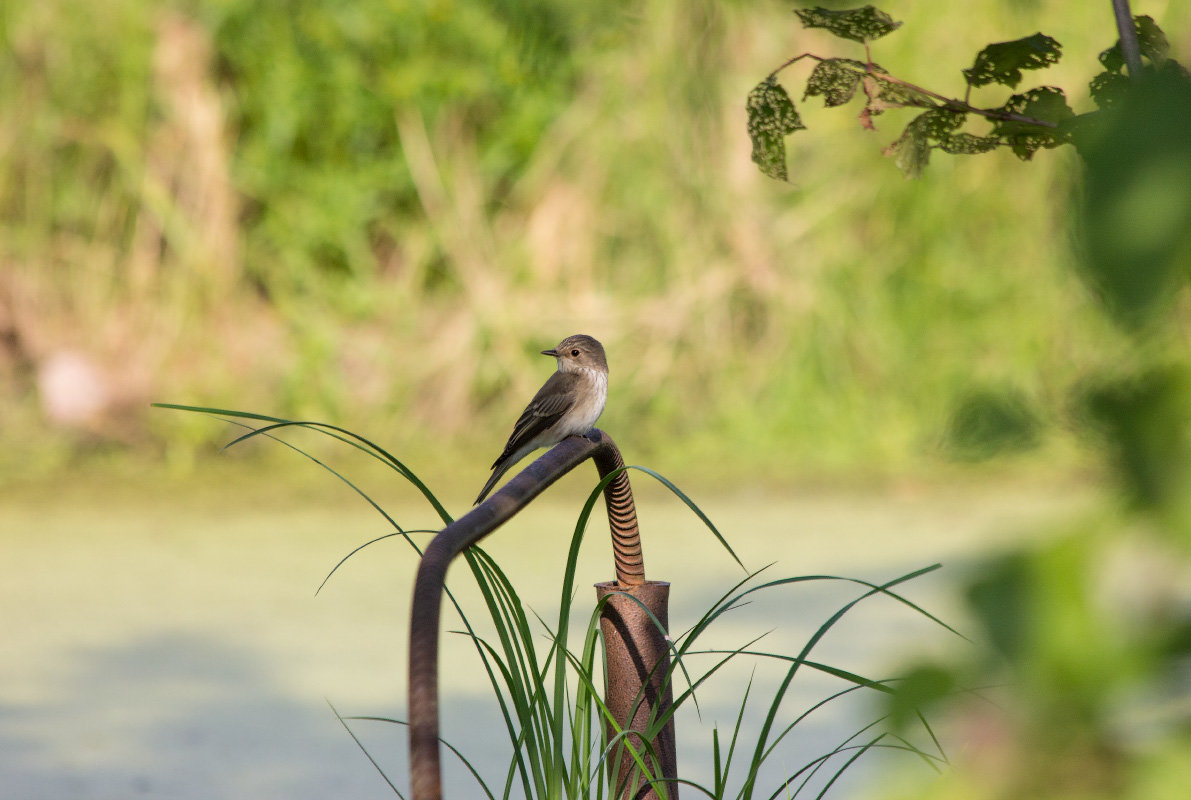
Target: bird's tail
point(497, 471)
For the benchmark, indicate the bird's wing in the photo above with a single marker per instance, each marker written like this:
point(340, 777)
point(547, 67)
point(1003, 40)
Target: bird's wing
point(548, 406)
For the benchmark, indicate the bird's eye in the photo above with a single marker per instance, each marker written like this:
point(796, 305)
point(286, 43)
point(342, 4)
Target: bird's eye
point(575, 353)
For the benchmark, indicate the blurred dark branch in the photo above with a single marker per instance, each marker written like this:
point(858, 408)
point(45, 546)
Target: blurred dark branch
point(1130, 49)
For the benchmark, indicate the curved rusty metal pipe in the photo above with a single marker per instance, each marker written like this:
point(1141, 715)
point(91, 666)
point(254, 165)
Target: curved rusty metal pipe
point(622, 517)
point(425, 765)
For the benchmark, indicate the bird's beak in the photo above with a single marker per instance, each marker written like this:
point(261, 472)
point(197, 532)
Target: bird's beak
point(550, 352)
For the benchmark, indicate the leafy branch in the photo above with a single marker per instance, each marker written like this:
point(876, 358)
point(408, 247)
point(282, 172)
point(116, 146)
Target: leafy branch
point(1026, 122)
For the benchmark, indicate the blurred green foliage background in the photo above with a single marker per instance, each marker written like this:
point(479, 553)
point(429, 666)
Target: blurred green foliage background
point(375, 213)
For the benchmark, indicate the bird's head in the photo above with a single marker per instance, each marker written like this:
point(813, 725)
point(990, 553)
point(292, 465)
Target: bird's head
point(578, 352)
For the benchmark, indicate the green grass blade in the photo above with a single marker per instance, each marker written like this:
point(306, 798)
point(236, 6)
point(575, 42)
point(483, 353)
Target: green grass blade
point(876, 589)
point(685, 641)
point(300, 451)
point(721, 781)
point(930, 732)
point(470, 767)
point(342, 561)
point(864, 749)
point(717, 772)
point(681, 495)
point(364, 750)
point(928, 758)
point(762, 739)
point(843, 674)
point(519, 682)
point(815, 707)
point(812, 767)
point(519, 639)
point(681, 699)
point(588, 699)
point(523, 760)
point(566, 598)
point(722, 605)
point(364, 445)
point(222, 412)
point(333, 431)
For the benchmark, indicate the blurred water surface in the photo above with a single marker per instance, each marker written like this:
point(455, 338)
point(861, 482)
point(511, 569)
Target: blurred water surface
point(169, 643)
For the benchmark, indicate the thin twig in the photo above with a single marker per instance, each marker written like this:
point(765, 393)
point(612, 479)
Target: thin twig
point(961, 105)
point(948, 102)
point(793, 60)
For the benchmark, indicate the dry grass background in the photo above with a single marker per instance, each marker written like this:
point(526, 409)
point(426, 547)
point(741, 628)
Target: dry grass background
point(376, 215)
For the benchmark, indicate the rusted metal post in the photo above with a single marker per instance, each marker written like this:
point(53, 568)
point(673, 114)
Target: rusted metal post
point(639, 687)
point(637, 641)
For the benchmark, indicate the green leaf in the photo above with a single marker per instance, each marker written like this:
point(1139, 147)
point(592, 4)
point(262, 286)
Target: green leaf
point(911, 152)
point(1000, 600)
point(899, 95)
point(884, 93)
point(967, 144)
point(836, 80)
point(1136, 208)
point(1044, 104)
point(771, 117)
point(1112, 59)
point(1003, 62)
point(938, 123)
point(1150, 39)
point(1108, 88)
point(858, 24)
point(1146, 424)
point(919, 690)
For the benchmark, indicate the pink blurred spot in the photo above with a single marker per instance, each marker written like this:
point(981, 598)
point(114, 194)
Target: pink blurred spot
point(73, 390)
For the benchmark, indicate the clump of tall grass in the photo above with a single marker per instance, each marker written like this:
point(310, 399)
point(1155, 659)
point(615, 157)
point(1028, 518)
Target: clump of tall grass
point(547, 680)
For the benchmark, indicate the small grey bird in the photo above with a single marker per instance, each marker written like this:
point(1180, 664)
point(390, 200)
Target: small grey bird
point(568, 404)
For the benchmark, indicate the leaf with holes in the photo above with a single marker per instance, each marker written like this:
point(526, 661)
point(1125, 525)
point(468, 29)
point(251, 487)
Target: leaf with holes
point(858, 24)
point(771, 117)
point(932, 129)
point(967, 144)
point(1003, 62)
point(911, 151)
point(896, 95)
point(940, 126)
point(1108, 89)
point(1046, 104)
point(835, 79)
point(883, 93)
point(1150, 39)
point(938, 123)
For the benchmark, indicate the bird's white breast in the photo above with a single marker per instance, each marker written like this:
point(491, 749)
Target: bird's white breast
point(588, 410)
